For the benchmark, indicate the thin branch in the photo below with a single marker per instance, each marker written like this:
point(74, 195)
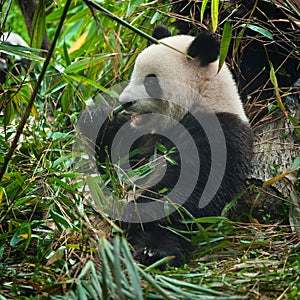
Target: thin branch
point(96, 6)
point(91, 4)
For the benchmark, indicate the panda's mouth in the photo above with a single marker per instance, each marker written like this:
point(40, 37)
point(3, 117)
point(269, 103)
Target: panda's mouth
point(126, 108)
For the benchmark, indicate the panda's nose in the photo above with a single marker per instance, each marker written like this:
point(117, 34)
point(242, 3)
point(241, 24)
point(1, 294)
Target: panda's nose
point(133, 93)
point(125, 97)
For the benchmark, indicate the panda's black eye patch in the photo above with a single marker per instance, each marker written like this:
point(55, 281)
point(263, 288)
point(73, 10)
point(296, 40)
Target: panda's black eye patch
point(152, 86)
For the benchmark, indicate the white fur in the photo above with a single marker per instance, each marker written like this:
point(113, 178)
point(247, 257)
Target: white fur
point(13, 39)
point(182, 80)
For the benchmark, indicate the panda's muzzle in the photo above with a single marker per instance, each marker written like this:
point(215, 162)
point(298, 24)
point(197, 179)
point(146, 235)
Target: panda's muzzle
point(128, 109)
point(125, 107)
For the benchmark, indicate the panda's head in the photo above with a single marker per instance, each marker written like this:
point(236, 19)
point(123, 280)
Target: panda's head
point(181, 71)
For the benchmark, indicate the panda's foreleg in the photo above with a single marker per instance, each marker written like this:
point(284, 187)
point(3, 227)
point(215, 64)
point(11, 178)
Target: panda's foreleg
point(157, 238)
point(150, 239)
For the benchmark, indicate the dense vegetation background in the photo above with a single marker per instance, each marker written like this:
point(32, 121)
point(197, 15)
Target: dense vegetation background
point(54, 241)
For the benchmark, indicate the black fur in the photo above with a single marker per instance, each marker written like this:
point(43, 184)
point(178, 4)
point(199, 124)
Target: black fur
point(152, 86)
point(206, 47)
point(160, 32)
point(15, 68)
point(150, 240)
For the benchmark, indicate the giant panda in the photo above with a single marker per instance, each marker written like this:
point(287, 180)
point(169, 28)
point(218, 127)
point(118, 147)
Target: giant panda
point(177, 98)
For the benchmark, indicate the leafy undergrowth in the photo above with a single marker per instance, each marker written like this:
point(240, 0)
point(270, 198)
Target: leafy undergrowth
point(54, 243)
point(251, 262)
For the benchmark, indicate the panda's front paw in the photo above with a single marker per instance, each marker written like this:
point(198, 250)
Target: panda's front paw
point(153, 245)
point(148, 256)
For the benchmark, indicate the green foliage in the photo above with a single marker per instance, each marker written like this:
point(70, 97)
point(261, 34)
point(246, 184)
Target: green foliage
point(54, 240)
point(14, 20)
point(38, 25)
point(121, 278)
point(225, 43)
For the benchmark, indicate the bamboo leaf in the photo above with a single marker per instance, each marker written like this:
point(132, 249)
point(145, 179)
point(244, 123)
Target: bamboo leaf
point(92, 292)
point(38, 25)
point(154, 284)
point(132, 270)
point(8, 113)
point(189, 286)
point(117, 270)
point(295, 124)
point(87, 63)
point(66, 99)
point(59, 219)
point(274, 81)
point(24, 52)
point(161, 261)
point(225, 43)
point(81, 292)
point(57, 255)
point(214, 14)
point(2, 192)
point(209, 220)
point(132, 28)
point(22, 234)
point(106, 273)
point(87, 81)
point(66, 54)
point(296, 162)
point(79, 42)
point(203, 7)
point(260, 30)
point(155, 18)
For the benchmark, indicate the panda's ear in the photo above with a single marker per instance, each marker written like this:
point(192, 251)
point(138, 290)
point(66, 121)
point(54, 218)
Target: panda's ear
point(160, 32)
point(206, 47)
